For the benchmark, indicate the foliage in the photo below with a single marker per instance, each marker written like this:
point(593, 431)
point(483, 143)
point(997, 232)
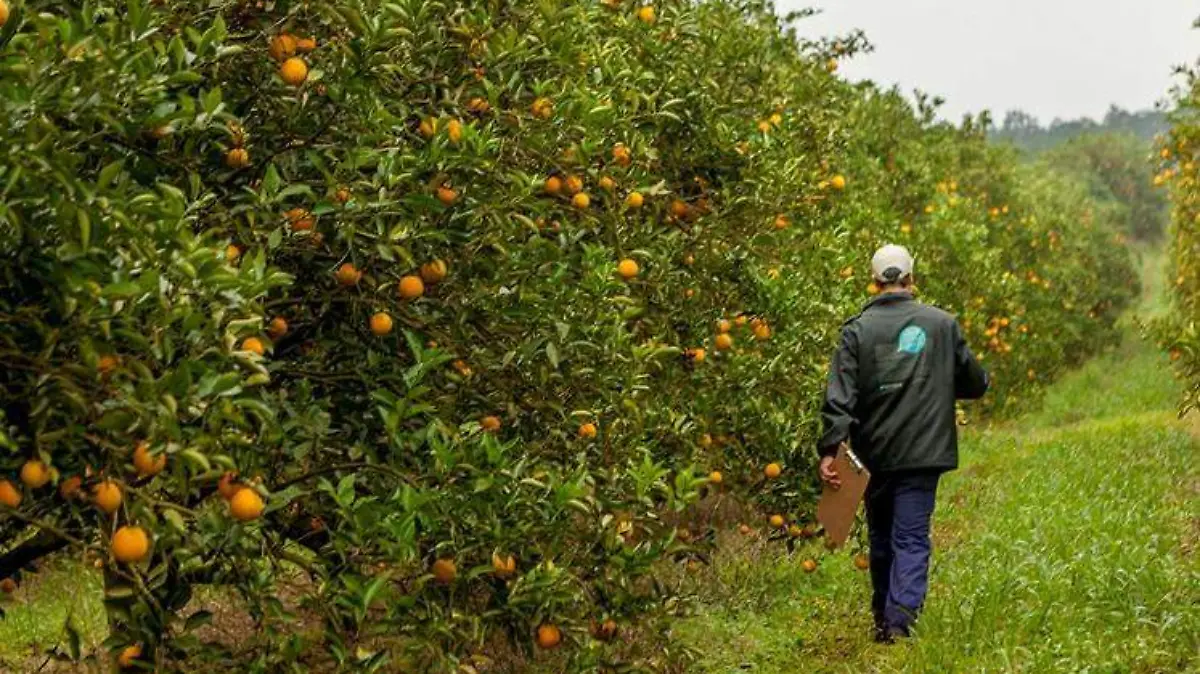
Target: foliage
point(361, 290)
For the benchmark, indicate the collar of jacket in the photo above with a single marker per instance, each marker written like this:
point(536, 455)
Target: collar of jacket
point(888, 298)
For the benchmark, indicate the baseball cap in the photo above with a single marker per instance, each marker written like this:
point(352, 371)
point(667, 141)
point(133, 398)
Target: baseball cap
point(891, 263)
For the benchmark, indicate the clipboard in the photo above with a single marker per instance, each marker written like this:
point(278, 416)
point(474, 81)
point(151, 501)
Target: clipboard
point(838, 507)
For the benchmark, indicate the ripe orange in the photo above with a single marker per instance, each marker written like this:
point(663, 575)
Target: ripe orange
point(130, 544)
point(574, 184)
point(553, 185)
point(724, 342)
point(107, 496)
point(581, 201)
point(777, 521)
point(69, 487)
point(381, 324)
point(446, 195)
point(745, 529)
point(146, 463)
point(8, 586)
point(809, 566)
point(294, 71)
point(490, 423)
point(232, 253)
point(607, 184)
point(838, 182)
point(433, 271)
point(228, 486)
point(781, 222)
point(479, 105)
point(795, 531)
point(9, 494)
point(715, 477)
point(504, 567)
point(129, 656)
point(277, 328)
point(698, 355)
point(305, 45)
point(587, 430)
point(237, 158)
point(548, 636)
point(679, 208)
point(35, 474)
point(454, 130)
point(444, 571)
point(605, 631)
point(283, 46)
point(347, 275)
point(724, 325)
point(253, 344)
point(300, 219)
point(772, 471)
point(246, 505)
point(635, 200)
point(1175, 355)
point(861, 562)
point(411, 287)
point(621, 154)
point(542, 108)
point(762, 332)
point(428, 127)
point(628, 269)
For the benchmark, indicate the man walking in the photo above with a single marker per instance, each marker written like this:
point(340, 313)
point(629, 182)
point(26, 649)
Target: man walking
point(892, 389)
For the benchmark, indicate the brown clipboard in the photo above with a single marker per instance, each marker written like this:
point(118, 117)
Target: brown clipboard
point(838, 507)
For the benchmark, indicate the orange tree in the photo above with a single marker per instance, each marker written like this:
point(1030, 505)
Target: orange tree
point(452, 311)
point(1178, 330)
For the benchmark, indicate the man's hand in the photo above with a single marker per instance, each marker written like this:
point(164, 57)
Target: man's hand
point(828, 475)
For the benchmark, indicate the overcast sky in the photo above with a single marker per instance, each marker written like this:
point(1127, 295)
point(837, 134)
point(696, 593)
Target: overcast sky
point(1052, 58)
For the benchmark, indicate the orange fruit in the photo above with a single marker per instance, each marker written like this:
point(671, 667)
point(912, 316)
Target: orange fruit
point(490, 423)
point(504, 567)
point(238, 157)
point(107, 496)
point(772, 471)
point(715, 477)
point(627, 269)
point(795, 531)
point(646, 14)
point(300, 219)
point(697, 355)
point(762, 332)
point(838, 182)
point(253, 344)
point(581, 201)
point(680, 209)
point(605, 631)
point(861, 562)
point(232, 253)
point(347, 275)
point(228, 486)
point(809, 566)
point(8, 586)
point(635, 200)
point(381, 324)
point(246, 505)
point(433, 271)
point(1175, 355)
point(454, 130)
point(607, 184)
point(745, 529)
point(574, 185)
point(553, 185)
point(411, 287)
point(621, 154)
point(777, 521)
point(107, 363)
point(277, 328)
point(444, 571)
point(146, 463)
point(35, 474)
point(9, 494)
point(129, 656)
point(305, 45)
point(782, 222)
point(724, 325)
point(69, 487)
point(479, 105)
point(587, 430)
point(764, 126)
point(446, 195)
point(130, 544)
point(548, 636)
point(428, 127)
point(294, 71)
point(283, 46)
point(724, 342)
point(542, 108)
point(342, 195)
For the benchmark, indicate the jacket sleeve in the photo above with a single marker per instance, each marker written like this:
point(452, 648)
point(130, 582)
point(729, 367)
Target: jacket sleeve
point(970, 379)
point(841, 395)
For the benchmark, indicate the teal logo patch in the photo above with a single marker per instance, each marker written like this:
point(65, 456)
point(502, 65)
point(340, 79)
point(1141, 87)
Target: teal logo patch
point(912, 340)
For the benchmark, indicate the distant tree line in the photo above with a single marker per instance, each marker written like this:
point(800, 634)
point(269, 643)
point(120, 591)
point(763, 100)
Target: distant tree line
point(1025, 131)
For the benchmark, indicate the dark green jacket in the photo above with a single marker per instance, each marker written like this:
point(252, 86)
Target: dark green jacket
point(893, 383)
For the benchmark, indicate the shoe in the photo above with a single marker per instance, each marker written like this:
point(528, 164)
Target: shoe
point(883, 635)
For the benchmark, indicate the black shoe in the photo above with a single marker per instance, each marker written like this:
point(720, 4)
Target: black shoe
point(883, 635)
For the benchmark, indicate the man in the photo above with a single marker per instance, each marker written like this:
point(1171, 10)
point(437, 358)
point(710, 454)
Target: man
point(892, 389)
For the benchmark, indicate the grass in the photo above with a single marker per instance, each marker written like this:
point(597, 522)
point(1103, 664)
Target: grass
point(35, 616)
point(1067, 543)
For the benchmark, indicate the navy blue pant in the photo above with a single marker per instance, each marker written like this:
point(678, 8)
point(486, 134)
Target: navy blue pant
point(899, 512)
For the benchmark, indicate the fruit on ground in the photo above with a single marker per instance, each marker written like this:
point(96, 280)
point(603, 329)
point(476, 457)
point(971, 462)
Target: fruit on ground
point(347, 275)
point(490, 423)
point(107, 496)
point(504, 566)
point(628, 269)
point(277, 328)
point(35, 474)
point(715, 477)
point(587, 430)
point(253, 344)
point(130, 544)
point(723, 342)
point(809, 565)
point(381, 324)
point(246, 505)
point(777, 521)
point(861, 562)
point(772, 471)
point(548, 636)
point(294, 71)
point(129, 656)
point(433, 271)
point(237, 158)
point(9, 494)
point(146, 463)
point(444, 571)
point(411, 287)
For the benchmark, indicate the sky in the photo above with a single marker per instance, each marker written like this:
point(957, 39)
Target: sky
point(1051, 58)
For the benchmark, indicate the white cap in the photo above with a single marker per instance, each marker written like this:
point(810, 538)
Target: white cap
point(891, 263)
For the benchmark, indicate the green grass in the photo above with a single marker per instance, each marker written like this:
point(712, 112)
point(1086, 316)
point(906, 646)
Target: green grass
point(1067, 543)
point(36, 615)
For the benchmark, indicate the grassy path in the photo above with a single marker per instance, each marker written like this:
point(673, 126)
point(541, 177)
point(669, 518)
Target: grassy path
point(1067, 543)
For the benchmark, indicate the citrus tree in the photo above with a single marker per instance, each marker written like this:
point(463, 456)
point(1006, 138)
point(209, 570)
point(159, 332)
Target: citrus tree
point(449, 314)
